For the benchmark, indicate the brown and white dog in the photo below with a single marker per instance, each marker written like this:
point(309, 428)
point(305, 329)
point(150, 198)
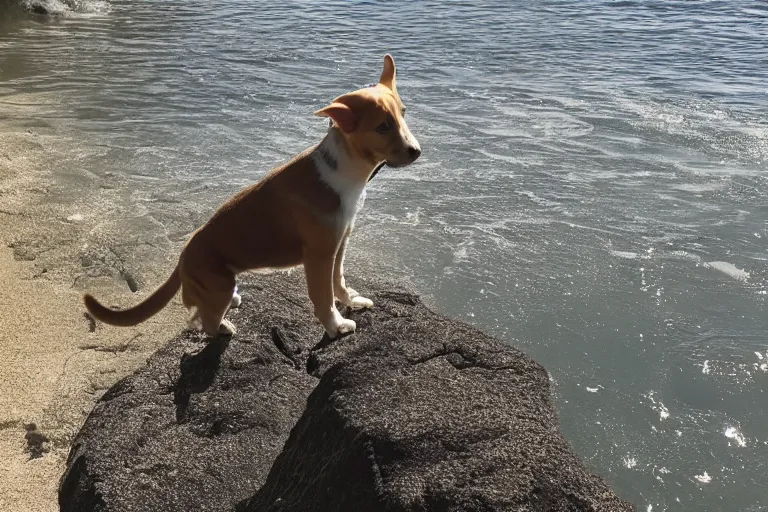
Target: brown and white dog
point(300, 213)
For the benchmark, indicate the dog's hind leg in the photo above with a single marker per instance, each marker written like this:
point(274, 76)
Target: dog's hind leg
point(212, 297)
point(193, 320)
point(212, 311)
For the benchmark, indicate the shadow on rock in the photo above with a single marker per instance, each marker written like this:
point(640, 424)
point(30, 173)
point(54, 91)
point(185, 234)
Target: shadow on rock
point(197, 374)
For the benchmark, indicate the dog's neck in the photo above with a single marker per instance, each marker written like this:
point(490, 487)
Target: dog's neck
point(344, 172)
point(333, 155)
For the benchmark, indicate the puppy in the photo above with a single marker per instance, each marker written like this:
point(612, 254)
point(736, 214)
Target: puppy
point(300, 213)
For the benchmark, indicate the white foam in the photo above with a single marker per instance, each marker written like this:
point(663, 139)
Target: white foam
point(728, 269)
point(658, 406)
point(460, 255)
point(627, 255)
point(503, 158)
point(703, 478)
point(736, 435)
point(698, 188)
point(685, 255)
point(412, 218)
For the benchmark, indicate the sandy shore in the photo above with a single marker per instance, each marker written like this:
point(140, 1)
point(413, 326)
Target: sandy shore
point(55, 362)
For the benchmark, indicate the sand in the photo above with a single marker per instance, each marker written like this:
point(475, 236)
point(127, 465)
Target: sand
point(54, 363)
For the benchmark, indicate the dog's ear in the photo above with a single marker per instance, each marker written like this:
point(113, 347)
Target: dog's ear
point(388, 75)
point(342, 115)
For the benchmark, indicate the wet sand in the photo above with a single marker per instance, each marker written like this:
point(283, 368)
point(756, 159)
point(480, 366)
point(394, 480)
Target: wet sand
point(55, 362)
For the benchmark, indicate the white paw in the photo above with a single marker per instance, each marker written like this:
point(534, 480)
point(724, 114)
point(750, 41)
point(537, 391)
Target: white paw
point(345, 326)
point(360, 303)
point(336, 325)
point(236, 300)
point(227, 327)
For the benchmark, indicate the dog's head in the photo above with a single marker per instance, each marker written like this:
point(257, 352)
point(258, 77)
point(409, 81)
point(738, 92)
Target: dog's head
point(373, 123)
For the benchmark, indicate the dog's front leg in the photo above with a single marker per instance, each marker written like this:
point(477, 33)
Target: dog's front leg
point(346, 296)
point(318, 266)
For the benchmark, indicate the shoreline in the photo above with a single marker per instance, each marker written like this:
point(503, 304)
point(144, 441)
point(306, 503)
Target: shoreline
point(56, 364)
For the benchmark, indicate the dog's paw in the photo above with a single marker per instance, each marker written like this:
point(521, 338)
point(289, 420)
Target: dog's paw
point(345, 326)
point(360, 302)
point(336, 325)
point(227, 328)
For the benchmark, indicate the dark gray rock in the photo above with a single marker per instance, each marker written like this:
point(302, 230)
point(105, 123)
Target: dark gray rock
point(46, 7)
point(413, 412)
point(199, 427)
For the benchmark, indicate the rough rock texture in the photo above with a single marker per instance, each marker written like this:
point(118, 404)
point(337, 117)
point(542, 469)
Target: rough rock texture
point(413, 412)
point(48, 6)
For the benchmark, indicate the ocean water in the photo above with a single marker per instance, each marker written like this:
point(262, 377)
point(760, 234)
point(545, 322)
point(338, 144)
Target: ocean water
point(592, 188)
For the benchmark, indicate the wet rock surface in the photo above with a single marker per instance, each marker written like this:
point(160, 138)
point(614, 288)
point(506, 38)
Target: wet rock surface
point(46, 7)
point(413, 412)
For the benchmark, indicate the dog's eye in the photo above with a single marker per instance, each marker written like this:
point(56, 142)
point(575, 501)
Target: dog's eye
point(383, 127)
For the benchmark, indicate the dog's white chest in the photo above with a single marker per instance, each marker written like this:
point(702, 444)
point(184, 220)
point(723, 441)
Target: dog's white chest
point(351, 194)
point(338, 171)
point(352, 199)
point(359, 202)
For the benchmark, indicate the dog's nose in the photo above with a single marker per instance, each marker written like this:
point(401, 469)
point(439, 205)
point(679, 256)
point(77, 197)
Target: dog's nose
point(414, 153)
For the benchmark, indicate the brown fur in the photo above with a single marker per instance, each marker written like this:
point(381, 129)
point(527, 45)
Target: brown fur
point(291, 217)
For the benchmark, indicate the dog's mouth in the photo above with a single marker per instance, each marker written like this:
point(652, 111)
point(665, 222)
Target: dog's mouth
point(399, 163)
point(407, 157)
point(376, 170)
point(389, 163)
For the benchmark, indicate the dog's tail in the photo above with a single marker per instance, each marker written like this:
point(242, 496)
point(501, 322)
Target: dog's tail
point(140, 312)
